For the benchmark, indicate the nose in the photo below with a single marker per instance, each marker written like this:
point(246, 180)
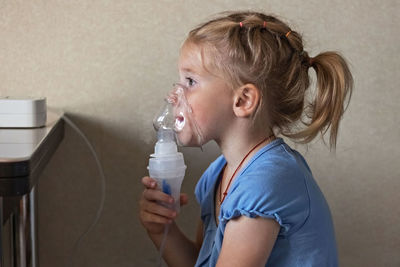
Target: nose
point(175, 94)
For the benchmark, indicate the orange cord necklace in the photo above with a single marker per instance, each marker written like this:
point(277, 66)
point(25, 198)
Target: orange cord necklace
point(269, 138)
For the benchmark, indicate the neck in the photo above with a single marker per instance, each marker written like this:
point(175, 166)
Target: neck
point(239, 142)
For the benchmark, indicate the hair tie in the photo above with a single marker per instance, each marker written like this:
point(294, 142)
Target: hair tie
point(265, 24)
point(241, 24)
point(288, 33)
point(311, 61)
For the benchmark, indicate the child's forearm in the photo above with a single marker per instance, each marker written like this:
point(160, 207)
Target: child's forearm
point(179, 251)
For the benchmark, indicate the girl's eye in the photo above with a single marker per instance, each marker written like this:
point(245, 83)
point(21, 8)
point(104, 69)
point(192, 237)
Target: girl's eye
point(190, 82)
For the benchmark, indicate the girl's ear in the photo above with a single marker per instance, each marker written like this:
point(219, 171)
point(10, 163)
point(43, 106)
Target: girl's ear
point(246, 100)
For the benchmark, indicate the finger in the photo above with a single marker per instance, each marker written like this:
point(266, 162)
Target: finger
point(155, 208)
point(184, 199)
point(157, 195)
point(154, 218)
point(149, 182)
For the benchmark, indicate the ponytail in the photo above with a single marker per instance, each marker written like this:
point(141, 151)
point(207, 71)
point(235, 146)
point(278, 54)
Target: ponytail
point(251, 47)
point(334, 84)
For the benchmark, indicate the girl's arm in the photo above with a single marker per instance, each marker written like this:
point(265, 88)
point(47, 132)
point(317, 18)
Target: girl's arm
point(248, 242)
point(179, 250)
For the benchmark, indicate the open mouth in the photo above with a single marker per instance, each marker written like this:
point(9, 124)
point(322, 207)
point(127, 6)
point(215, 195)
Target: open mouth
point(179, 122)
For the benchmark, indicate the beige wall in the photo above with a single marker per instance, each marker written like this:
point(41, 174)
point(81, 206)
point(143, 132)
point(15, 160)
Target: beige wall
point(108, 64)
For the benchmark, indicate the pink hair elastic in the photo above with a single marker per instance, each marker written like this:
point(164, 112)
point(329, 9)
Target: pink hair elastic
point(311, 61)
point(241, 24)
point(265, 24)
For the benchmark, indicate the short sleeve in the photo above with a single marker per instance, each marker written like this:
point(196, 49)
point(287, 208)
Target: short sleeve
point(272, 189)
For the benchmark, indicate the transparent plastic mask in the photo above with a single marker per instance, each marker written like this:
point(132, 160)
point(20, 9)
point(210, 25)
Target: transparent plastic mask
point(177, 114)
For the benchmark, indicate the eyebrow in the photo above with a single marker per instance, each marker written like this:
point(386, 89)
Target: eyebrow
point(190, 71)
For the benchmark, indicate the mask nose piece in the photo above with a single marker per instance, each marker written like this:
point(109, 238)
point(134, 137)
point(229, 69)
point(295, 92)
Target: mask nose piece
point(165, 118)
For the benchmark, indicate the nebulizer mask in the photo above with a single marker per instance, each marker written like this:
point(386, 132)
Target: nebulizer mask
point(167, 165)
point(178, 115)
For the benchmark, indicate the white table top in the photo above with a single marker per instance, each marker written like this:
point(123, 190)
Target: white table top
point(18, 144)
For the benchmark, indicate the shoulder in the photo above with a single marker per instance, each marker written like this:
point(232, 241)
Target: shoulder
point(272, 186)
point(276, 169)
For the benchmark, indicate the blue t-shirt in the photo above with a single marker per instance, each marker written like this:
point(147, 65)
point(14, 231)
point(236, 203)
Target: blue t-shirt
point(276, 183)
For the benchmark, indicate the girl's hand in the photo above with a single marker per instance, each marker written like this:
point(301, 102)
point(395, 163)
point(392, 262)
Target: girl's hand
point(153, 215)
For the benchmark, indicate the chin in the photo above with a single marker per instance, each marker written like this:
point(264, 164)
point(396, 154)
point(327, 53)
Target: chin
point(187, 140)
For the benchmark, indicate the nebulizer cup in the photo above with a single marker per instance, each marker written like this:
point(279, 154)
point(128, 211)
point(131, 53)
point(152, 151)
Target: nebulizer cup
point(167, 165)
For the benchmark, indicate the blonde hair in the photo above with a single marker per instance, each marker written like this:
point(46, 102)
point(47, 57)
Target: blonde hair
point(251, 47)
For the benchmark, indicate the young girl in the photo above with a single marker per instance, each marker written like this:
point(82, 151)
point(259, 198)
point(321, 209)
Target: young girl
point(245, 77)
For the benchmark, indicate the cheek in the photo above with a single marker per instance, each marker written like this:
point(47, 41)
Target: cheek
point(207, 116)
point(201, 113)
point(211, 112)
point(212, 107)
